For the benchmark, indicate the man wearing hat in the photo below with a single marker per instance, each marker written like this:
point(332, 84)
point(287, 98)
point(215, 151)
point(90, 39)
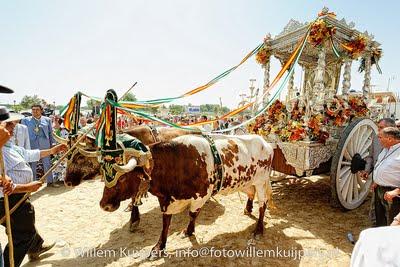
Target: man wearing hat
point(26, 239)
point(4, 134)
point(4, 137)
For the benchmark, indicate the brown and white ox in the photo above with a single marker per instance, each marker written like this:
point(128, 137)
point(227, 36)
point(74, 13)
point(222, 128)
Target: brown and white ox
point(84, 164)
point(182, 176)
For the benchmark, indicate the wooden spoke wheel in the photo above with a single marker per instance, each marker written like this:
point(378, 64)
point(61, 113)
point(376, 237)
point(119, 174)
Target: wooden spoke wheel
point(355, 147)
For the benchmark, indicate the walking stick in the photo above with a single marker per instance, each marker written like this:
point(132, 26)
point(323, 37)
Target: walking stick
point(54, 166)
point(42, 179)
point(7, 216)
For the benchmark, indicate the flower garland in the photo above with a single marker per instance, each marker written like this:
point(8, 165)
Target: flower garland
point(319, 32)
point(356, 46)
point(297, 112)
point(292, 126)
point(358, 107)
point(276, 112)
point(336, 112)
point(263, 55)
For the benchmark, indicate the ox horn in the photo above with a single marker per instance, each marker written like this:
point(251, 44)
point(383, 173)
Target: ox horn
point(60, 139)
point(81, 145)
point(126, 168)
point(90, 154)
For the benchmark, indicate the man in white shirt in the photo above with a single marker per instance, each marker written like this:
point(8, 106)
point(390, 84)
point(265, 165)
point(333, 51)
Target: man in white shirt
point(26, 239)
point(387, 176)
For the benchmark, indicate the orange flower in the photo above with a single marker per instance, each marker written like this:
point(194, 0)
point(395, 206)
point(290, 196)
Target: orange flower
point(319, 32)
point(263, 55)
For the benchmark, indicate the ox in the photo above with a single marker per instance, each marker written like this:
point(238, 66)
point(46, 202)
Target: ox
point(181, 175)
point(84, 165)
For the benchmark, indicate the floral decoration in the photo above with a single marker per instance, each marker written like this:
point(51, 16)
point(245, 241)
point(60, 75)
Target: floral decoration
point(319, 32)
point(356, 46)
point(294, 126)
point(263, 55)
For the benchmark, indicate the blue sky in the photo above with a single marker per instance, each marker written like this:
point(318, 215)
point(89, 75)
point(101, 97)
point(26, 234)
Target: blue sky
point(55, 48)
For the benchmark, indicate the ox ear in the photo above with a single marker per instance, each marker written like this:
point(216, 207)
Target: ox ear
point(60, 139)
point(132, 163)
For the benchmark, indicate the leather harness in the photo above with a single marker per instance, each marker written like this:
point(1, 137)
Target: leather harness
point(218, 167)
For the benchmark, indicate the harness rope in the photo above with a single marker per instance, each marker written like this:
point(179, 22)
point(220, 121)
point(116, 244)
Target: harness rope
point(154, 133)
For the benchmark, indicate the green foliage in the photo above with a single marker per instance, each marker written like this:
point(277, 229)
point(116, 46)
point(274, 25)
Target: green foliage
point(213, 108)
point(153, 110)
point(28, 101)
point(225, 110)
point(92, 103)
point(129, 97)
point(176, 109)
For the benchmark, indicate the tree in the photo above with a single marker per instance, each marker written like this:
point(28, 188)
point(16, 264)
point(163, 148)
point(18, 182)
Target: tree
point(92, 103)
point(225, 110)
point(213, 108)
point(129, 97)
point(28, 101)
point(176, 109)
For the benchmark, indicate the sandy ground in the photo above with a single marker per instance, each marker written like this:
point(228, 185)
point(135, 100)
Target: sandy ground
point(303, 222)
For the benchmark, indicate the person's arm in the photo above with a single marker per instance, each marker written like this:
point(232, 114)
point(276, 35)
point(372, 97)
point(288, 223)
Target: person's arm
point(54, 150)
point(24, 188)
point(389, 195)
point(26, 138)
point(396, 220)
point(51, 138)
point(33, 155)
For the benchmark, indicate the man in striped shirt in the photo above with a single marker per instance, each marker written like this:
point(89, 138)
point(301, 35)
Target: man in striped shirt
point(387, 176)
point(26, 239)
point(4, 137)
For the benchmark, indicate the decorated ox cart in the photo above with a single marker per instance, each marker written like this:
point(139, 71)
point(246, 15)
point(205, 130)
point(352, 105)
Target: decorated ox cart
point(322, 128)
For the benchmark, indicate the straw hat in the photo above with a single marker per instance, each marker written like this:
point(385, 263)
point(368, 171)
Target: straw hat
point(6, 116)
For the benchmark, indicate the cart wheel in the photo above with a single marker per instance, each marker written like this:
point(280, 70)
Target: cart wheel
point(355, 145)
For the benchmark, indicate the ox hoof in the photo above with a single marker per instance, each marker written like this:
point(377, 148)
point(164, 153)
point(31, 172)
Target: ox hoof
point(187, 233)
point(156, 253)
point(246, 212)
point(134, 226)
point(257, 235)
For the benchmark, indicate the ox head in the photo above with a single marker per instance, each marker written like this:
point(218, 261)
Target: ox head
point(83, 163)
point(131, 180)
point(132, 184)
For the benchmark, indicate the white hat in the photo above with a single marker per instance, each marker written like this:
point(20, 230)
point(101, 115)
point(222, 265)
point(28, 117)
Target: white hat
point(14, 117)
point(7, 116)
